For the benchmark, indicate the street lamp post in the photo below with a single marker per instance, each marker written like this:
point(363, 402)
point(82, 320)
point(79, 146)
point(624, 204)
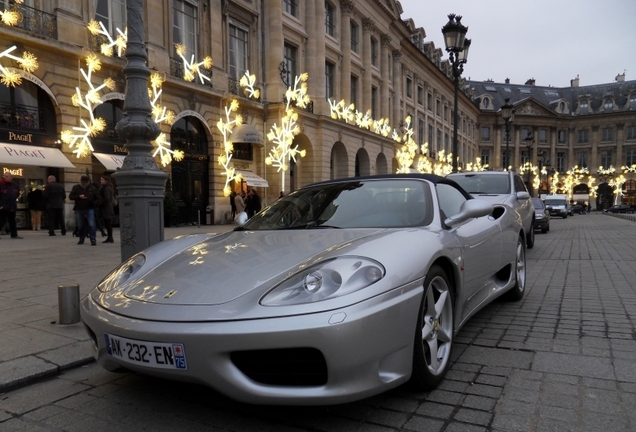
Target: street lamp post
point(140, 182)
point(508, 114)
point(457, 46)
point(529, 141)
point(540, 156)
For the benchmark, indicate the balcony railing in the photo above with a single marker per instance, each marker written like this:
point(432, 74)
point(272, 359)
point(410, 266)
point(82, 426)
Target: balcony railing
point(37, 21)
point(234, 87)
point(177, 70)
point(95, 43)
point(22, 117)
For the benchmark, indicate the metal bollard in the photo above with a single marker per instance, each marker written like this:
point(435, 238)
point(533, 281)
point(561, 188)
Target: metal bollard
point(68, 299)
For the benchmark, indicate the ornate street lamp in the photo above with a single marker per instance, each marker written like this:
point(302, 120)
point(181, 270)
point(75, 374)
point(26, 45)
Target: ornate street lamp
point(529, 141)
point(140, 181)
point(540, 157)
point(457, 46)
point(508, 114)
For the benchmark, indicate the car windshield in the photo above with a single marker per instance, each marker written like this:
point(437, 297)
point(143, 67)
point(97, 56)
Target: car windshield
point(384, 203)
point(483, 183)
point(537, 203)
point(554, 202)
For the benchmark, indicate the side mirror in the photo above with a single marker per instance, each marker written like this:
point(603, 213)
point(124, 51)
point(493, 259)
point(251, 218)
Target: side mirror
point(241, 218)
point(523, 195)
point(473, 208)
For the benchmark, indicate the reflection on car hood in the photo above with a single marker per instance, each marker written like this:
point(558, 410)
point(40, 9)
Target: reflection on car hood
point(492, 198)
point(222, 268)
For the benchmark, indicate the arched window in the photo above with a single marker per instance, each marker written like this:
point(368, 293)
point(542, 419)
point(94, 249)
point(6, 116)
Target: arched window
point(188, 134)
point(26, 107)
point(111, 111)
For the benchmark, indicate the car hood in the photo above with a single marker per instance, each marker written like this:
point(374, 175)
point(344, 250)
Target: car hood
point(493, 198)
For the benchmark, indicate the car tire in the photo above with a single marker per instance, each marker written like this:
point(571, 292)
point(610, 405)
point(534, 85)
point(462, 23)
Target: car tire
point(544, 229)
point(517, 291)
point(434, 332)
point(530, 236)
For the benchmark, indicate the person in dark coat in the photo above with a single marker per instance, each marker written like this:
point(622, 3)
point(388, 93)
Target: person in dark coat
point(233, 204)
point(35, 200)
point(106, 208)
point(9, 193)
point(87, 199)
point(252, 203)
point(54, 197)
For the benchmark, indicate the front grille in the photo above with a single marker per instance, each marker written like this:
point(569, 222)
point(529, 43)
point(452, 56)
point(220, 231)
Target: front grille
point(293, 367)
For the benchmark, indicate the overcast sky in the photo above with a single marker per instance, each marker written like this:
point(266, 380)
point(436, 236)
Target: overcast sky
point(551, 41)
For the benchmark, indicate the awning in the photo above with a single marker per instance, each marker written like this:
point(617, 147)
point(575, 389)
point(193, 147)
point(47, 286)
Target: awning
point(18, 154)
point(245, 133)
point(252, 179)
point(110, 161)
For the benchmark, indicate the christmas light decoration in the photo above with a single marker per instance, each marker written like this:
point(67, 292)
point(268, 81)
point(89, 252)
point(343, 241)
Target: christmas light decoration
point(476, 166)
point(12, 17)
point(349, 113)
point(97, 28)
point(226, 126)
point(283, 136)
point(161, 114)
point(28, 62)
point(79, 137)
point(192, 69)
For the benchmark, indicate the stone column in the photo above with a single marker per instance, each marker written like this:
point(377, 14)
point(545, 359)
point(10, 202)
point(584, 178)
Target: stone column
point(620, 140)
point(274, 43)
point(397, 87)
point(346, 6)
point(140, 182)
point(368, 27)
point(594, 140)
point(385, 42)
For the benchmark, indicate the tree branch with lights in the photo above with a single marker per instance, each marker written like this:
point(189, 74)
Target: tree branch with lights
point(28, 62)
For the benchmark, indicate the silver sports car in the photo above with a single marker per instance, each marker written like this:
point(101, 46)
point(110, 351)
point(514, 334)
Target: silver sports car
point(336, 292)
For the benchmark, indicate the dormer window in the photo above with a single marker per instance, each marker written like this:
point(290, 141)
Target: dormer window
point(583, 106)
point(609, 105)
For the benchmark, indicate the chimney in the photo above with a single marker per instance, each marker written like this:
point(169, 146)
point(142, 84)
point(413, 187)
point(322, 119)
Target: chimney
point(507, 80)
point(620, 77)
point(574, 82)
point(530, 81)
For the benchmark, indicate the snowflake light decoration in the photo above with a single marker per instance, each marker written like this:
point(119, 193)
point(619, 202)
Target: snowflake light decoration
point(226, 126)
point(405, 154)
point(12, 17)
point(80, 136)
point(476, 166)
point(97, 28)
point(161, 114)
point(192, 69)
point(28, 62)
point(283, 136)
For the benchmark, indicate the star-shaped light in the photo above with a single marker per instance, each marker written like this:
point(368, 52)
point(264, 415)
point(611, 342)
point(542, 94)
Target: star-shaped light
point(12, 17)
point(28, 62)
point(97, 27)
point(192, 69)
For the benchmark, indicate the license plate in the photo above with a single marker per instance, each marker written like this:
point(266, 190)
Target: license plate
point(151, 354)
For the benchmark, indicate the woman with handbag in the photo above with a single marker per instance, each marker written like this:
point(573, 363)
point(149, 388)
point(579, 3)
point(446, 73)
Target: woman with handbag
point(106, 208)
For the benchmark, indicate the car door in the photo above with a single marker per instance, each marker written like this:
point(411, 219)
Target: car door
point(480, 241)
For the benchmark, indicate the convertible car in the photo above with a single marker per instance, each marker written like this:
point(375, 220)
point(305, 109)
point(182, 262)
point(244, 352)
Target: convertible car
point(335, 292)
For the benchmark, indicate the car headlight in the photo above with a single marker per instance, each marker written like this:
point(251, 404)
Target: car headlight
point(122, 273)
point(539, 216)
point(327, 280)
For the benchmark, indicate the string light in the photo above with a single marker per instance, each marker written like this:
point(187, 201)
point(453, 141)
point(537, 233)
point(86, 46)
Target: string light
point(349, 113)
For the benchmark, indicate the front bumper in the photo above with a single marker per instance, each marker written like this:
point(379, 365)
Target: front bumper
point(367, 347)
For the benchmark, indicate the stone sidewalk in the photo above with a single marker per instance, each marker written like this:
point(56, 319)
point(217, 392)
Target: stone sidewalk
point(33, 343)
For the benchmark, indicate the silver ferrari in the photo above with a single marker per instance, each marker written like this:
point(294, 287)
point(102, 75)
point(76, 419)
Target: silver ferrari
point(336, 292)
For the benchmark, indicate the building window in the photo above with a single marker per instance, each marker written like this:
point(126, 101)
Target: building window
point(561, 137)
point(354, 36)
point(238, 49)
point(485, 157)
point(420, 95)
point(431, 138)
point(609, 105)
point(632, 101)
point(630, 157)
point(330, 71)
point(111, 13)
point(584, 136)
point(607, 134)
point(420, 131)
point(438, 107)
point(446, 144)
point(354, 90)
point(23, 107)
point(438, 140)
point(525, 157)
point(374, 103)
point(446, 113)
point(185, 27)
point(583, 106)
point(374, 51)
point(581, 159)
point(330, 19)
point(429, 101)
point(560, 165)
point(409, 87)
point(631, 133)
point(290, 53)
point(505, 158)
point(291, 7)
point(543, 136)
point(606, 159)
point(485, 134)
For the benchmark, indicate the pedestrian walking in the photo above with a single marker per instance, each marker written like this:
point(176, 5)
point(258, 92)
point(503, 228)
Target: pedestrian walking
point(106, 209)
point(54, 197)
point(9, 193)
point(35, 201)
point(86, 197)
point(239, 203)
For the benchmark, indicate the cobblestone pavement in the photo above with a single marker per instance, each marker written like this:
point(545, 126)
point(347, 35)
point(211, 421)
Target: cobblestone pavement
point(562, 359)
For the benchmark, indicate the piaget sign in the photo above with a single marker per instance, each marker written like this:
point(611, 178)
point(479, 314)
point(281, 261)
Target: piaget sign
point(20, 137)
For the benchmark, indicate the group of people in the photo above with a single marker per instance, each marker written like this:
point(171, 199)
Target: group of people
point(250, 203)
point(93, 203)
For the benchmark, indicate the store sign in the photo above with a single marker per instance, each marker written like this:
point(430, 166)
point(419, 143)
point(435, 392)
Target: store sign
point(15, 172)
point(20, 137)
